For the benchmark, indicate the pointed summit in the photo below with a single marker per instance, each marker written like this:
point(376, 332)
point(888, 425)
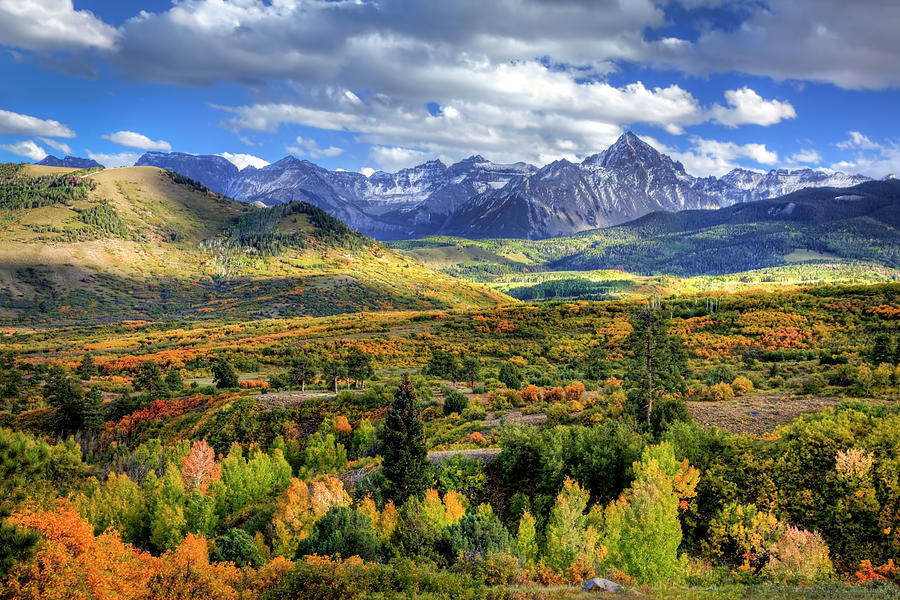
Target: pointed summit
point(629, 149)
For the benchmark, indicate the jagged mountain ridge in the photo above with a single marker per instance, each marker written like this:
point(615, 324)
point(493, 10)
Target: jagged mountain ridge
point(477, 198)
point(74, 162)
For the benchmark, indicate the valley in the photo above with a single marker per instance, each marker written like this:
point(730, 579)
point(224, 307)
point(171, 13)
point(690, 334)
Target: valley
point(292, 407)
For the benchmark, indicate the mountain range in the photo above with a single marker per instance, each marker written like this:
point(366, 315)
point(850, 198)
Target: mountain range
point(477, 198)
point(74, 162)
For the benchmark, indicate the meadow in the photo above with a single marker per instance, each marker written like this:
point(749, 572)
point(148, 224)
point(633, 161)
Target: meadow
point(509, 452)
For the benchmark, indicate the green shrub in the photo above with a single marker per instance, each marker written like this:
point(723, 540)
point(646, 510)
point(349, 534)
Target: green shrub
point(476, 535)
point(455, 402)
point(344, 532)
point(236, 546)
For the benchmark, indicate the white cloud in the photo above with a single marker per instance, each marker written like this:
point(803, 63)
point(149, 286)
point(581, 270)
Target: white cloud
point(62, 147)
point(852, 45)
point(18, 124)
point(319, 41)
point(113, 161)
point(367, 171)
point(244, 160)
point(46, 25)
point(132, 139)
point(806, 156)
point(26, 148)
point(308, 147)
point(871, 158)
point(713, 157)
point(510, 112)
point(748, 107)
point(394, 158)
point(858, 141)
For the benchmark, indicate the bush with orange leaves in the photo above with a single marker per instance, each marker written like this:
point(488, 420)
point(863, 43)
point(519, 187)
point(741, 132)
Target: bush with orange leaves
point(186, 574)
point(71, 563)
point(530, 394)
point(247, 384)
point(556, 395)
point(574, 391)
point(342, 426)
point(867, 572)
point(476, 438)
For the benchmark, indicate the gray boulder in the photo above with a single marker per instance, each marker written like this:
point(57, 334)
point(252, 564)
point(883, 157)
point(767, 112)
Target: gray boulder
point(598, 584)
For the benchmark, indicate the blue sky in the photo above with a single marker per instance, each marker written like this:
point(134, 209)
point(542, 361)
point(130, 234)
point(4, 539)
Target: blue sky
point(364, 84)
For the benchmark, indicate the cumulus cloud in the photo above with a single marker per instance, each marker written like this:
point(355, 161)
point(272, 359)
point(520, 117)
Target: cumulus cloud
point(869, 157)
point(325, 41)
point(517, 111)
point(852, 45)
point(745, 106)
point(858, 141)
point(47, 25)
point(26, 148)
point(132, 139)
point(309, 147)
point(244, 160)
point(18, 124)
point(61, 146)
point(806, 156)
point(367, 171)
point(714, 157)
point(394, 159)
point(113, 161)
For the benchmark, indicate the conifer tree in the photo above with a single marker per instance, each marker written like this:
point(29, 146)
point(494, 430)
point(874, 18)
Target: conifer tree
point(173, 380)
point(94, 412)
point(87, 368)
point(656, 364)
point(149, 378)
point(403, 447)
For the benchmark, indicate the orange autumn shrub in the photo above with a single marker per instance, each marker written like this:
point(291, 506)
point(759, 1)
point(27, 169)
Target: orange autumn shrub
point(555, 395)
point(70, 563)
point(574, 391)
point(476, 438)
point(867, 572)
point(342, 425)
point(186, 574)
point(530, 394)
point(254, 384)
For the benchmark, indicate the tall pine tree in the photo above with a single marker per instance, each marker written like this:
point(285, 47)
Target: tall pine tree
point(403, 449)
point(656, 362)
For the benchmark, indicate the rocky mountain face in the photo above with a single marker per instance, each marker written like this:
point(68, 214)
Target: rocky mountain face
point(74, 162)
point(477, 198)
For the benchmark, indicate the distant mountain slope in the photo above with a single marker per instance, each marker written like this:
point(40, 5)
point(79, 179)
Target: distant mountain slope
point(69, 161)
point(861, 223)
point(140, 242)
point(477, 198)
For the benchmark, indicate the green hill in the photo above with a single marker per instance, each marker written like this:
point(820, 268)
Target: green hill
point(139, 242)
point(820, 234)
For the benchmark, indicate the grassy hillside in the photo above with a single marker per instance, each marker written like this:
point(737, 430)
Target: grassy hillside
point(813, 236)
point(141, 242)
